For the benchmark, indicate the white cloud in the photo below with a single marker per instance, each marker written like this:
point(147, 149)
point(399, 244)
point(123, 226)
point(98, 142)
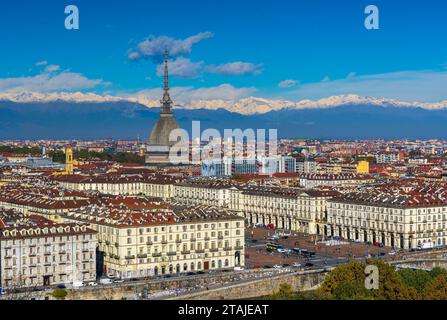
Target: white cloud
point(422, 85)
point(238, 68)
point(52, 68)
point(153, 47)
point(50, 80)
point(182, 67)
point(287, 84)
point(41, 63)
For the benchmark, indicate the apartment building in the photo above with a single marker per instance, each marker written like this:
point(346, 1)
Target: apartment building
point(310, 181)
point(37, 252)
point(157, 241)
point(208, 192)
point(400, 218)
point(286, 208)
point(138, 184)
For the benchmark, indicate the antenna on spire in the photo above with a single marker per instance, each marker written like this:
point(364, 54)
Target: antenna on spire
point(166, 101)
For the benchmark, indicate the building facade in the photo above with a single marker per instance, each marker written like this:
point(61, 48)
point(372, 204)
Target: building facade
point(36, 252)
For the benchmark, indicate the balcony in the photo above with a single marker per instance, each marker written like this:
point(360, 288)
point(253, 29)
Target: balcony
point(142, 256)
point(131, 257)
point(193, 239)
point(178, 241)
point(200, 251)
point(214, 250)
point(156, 255)
point(228, 249)
point(186, 252)
point(172, 253)
point(220, 237)
point(164, 241)
point(207, 238)
point(238, 248)
point(149, 243)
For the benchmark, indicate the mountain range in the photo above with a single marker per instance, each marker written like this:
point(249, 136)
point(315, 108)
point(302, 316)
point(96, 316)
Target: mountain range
point(29, 115)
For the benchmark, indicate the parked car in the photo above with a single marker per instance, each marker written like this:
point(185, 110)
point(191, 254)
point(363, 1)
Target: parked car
point(92, 284)
point(297, 265)
point(277, 266)
point(78, 284)
point(238, 269)
point(61, 286)
point(105, 281)
point(309, 265)
point(118, 281)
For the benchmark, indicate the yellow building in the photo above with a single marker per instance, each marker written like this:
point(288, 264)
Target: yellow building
point(363, 167)
point(69, 160)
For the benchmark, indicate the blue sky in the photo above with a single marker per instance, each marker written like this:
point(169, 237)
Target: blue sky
point(228, 49)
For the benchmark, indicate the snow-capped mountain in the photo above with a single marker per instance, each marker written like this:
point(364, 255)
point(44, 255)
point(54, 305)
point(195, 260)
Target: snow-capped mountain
point(246, 106)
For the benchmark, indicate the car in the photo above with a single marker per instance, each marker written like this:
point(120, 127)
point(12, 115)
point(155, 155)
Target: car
point(190, 273)
point(105, 281)
point(309, 265)
point(277, 266)
point(267, 266)
point(61, 286)
point(78, 284)
point(254, 241)
point(392, 253)
point(259, 225)
point(118, 281)
point(297, 265)
point(282, 250)
point(200, 272)
point(92, 284)
point(238, 269)
point(286, 265)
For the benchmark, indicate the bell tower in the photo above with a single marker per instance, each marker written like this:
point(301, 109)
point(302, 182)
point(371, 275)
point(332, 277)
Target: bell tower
point(69, 160)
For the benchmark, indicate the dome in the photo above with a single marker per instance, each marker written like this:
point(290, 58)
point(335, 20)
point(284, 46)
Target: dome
point(162, 130)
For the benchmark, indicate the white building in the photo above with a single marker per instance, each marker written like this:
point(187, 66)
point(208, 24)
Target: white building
point(396, 218)
point(36, 252)
point(174, 240)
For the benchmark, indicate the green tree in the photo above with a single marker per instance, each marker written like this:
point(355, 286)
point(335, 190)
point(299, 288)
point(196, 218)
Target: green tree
point(59, 294)
point(436, 289)
point(347, 282)
point(416, 279)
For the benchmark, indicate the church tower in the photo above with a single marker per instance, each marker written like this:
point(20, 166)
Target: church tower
point(69, 161)
point(158, 145)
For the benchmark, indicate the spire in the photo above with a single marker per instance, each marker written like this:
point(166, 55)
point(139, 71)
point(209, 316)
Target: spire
point(166, 101)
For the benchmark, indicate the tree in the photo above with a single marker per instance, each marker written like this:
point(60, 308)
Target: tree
point(347, 282)
point(59, 293)
point(416, 279)
point(436, 289)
